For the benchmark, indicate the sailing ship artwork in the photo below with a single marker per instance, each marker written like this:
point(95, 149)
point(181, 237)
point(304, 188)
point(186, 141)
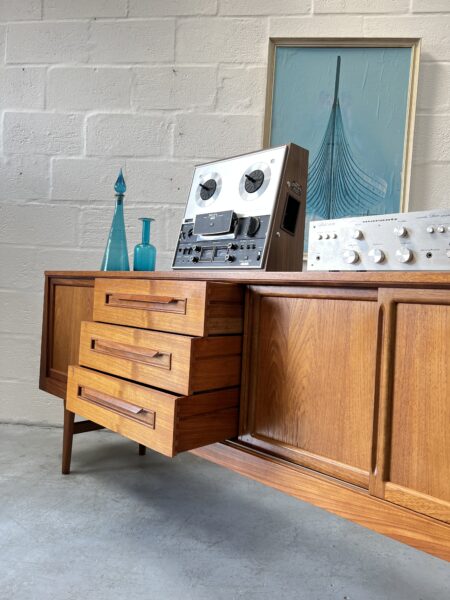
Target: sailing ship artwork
point(337, 184)
point(350, 108)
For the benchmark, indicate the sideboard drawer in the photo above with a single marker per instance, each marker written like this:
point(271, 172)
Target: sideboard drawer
point(198, 308)
point(178, 363)
point(164, 422)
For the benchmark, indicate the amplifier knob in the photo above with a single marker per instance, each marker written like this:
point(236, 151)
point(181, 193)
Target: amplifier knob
point(430, 229)
point(441, 229)
point(357, 234)
point(401, 232)
point(350, 256)
point(404, 255)
point(377, 255)
point(194, 259)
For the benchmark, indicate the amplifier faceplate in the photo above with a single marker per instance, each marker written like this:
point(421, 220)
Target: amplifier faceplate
point(416, 241)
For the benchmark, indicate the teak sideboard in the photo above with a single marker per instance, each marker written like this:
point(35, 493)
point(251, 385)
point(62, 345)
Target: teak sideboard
point(332, 387)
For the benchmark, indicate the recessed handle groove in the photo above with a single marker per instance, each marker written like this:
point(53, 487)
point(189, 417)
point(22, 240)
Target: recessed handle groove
point(146, 356)
point(117, 405)
point(147, 302)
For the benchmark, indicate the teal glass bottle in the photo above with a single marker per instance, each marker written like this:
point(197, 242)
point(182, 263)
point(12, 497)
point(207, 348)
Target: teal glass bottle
point(145, 253)
point(116, 251)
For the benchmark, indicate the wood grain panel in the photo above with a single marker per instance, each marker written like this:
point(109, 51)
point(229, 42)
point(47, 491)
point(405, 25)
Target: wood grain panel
point(169, 424)
point(421, 503)
point(347, 501)
point(417, 279)
point(178, 363)
point(73, 304)
point(420, 438)
point(190, 307)
point(67, 302)
point(313, 384)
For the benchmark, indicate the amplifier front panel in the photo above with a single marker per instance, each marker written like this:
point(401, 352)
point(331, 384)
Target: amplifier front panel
point(417, 241)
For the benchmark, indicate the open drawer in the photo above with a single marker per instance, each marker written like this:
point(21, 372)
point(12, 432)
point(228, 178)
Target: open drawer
point(163, 422)
point(178, 363)
point(199, 308)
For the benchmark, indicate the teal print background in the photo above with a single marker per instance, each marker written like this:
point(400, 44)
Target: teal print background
point(373, 98)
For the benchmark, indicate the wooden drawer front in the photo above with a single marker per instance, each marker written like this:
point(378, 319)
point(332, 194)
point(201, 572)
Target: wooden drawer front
point(191, 307)
point(172, 362)
point(166, 423)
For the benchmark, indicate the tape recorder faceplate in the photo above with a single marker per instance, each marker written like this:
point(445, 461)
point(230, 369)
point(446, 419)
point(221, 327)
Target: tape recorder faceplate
point(246, 212)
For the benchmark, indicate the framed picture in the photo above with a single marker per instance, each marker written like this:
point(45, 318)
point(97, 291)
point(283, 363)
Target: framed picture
point(351, 103)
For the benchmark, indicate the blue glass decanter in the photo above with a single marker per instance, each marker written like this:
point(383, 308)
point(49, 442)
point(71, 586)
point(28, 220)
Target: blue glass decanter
point(145, 253)
point(116, 251)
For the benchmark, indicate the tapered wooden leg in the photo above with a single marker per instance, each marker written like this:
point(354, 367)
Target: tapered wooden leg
point(142, 450)
point(69, 418)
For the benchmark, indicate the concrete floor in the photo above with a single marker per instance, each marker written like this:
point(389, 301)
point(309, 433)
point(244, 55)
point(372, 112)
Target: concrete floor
point(129, 527)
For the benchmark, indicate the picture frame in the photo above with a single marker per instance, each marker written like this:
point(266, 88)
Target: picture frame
point(351, 103)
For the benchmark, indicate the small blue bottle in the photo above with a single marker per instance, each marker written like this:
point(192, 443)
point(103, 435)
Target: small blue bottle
point(145, 253)
point(116, 251)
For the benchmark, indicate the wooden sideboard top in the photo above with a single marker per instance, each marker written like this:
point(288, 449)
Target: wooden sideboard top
point(357, 279)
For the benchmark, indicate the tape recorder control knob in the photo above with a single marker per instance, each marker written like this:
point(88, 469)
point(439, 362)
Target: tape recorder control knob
point(194, 259)
point(232, 246)
point(253, 181)
point(254, 224)
point(404, 255)
point(229, 258)
point(350, 257)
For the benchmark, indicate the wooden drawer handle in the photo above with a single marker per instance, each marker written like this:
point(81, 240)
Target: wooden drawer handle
point(147, 356)
point(147, 302)
point(110, 402)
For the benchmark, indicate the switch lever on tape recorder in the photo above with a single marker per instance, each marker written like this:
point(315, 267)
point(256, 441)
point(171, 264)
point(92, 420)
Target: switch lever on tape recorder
point(246, 212)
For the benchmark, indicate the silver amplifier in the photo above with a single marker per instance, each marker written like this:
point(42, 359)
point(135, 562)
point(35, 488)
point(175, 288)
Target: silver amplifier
point(415, 241)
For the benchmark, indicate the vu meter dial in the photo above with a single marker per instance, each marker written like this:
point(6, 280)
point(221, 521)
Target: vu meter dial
point(208, 188)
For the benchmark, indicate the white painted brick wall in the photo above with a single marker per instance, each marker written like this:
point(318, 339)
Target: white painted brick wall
point(22, 87)
point(42, 133)
point(130, 41)
point(127, 135)
point(89, 88)
point(213, 136)
point(170, 88)
point(153, 86)
point(47, 42)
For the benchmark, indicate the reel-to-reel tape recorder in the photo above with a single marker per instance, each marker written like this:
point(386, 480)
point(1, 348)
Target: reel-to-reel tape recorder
point(246, 212)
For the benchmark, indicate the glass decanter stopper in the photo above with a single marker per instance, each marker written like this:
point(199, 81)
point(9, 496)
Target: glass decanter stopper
point(116, 251)
point(145, 253)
